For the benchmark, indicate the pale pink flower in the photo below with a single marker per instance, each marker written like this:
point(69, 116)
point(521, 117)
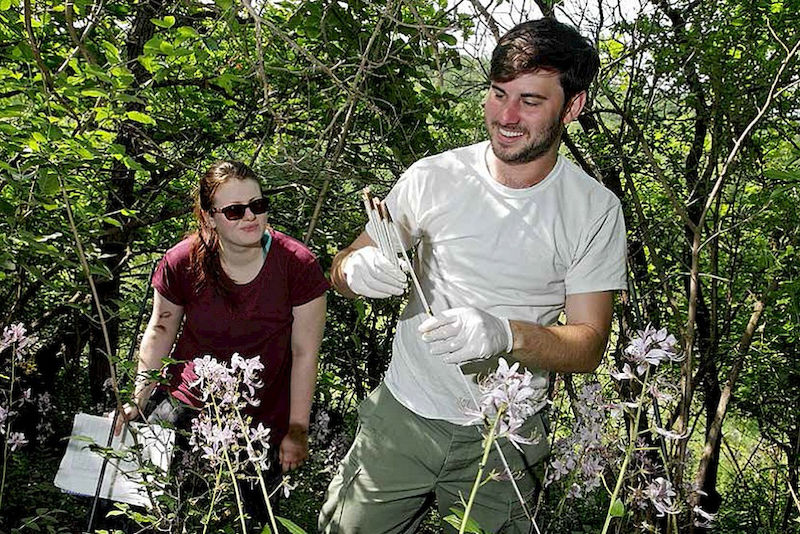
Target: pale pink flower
point(288, 488)
point(657, 390)
point(625, 374)
point(16, 440)
point(669, 434)
point(652, 347)
point(703, 519)
point(661, 496)
point(15, 335)
point(582, 455)
point(250, 371)
point(517, 395)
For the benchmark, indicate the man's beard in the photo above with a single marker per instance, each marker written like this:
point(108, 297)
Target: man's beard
point(535, 149)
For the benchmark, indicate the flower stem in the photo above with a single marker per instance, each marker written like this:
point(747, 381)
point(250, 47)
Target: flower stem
point(261, 481)
point(232, 472)
point(213, 498)
point(487, 447)
point(8, 426)
point(628, 453)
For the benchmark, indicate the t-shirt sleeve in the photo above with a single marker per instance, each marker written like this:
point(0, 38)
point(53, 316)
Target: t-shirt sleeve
point(306, 281)
point(599, 261)
point(167, 280)
point(403, 202)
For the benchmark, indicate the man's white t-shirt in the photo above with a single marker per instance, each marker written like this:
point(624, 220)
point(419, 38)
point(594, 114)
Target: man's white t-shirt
point(515, 253)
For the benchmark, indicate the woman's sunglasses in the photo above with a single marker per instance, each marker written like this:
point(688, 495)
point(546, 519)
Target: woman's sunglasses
point(234, 212)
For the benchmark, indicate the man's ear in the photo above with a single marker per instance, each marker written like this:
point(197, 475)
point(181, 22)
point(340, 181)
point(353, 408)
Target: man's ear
point(573, 108)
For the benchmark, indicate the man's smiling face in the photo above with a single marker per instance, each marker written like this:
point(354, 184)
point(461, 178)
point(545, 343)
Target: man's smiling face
point(524, 116)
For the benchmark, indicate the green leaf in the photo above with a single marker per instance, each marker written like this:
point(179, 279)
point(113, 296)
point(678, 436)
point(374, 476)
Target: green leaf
point(456, 519)
point(266, 530)
point(12, 111)
point(224, 4)
point(361, 310)
point(112, 52)
point(449, 39)
point(112, 221)
point(166, 22)
point(777, 174)
point(166, 48)
point(98, 73)
point(45, 238)
point(94, 93)
point(453, 521)
point(6, 4)
point(138, 116)
point(188, 31)
point(290, 526)
point(617, 509)
point(48, 184)
point(6, 208)
point(122, 74)
point(153, 46)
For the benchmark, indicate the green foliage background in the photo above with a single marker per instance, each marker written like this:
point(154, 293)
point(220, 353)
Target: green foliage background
point(115, 107)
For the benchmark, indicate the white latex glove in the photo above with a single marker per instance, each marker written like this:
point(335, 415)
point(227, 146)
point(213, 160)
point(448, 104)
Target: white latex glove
point(369, 273)
point(466, 334)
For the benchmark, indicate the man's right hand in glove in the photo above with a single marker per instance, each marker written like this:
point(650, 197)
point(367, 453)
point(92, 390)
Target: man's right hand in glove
point(369, 273)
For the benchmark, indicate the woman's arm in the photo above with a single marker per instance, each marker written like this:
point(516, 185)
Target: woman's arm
point(309, 323)
point(157, 341)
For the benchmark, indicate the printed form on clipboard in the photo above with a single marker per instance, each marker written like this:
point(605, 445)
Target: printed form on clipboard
point(122, 481)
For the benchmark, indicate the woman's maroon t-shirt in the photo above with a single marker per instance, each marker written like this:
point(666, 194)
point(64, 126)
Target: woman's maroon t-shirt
point(260, 323)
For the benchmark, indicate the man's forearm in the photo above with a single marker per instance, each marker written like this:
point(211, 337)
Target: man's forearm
point(571, 348)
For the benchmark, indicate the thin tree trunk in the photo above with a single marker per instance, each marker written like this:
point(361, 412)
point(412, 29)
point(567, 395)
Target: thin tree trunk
point(714, 431)
point(114, 245)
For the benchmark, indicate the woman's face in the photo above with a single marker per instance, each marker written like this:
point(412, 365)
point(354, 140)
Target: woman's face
point(245, 232)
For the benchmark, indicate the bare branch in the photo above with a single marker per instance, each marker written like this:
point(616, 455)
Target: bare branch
point(487, 18)
point(69, 13)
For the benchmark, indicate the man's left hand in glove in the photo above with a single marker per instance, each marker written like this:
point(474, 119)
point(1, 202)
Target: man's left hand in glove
point(466, 334)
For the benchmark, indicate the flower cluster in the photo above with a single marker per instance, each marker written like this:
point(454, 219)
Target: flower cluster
point(516, 396)
point(15, 336)
point(217, 380)
point(661, 495)
point(45, 411)
point(582, 455)
point(330, 441)
point(220, 429)
point(649, 347)
point(16, 440)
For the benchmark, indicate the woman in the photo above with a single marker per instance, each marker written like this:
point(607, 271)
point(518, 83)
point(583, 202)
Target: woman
point(238, 285)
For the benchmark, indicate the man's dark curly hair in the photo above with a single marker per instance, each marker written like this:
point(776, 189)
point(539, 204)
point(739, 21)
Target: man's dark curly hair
point(546, 44)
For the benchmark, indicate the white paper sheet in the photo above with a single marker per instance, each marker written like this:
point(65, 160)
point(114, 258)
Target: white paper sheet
point(80, 468)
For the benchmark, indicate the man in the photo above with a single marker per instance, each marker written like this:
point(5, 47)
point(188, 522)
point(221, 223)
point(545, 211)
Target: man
point(508, 234)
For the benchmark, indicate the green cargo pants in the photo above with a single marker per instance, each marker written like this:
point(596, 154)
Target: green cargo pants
point(400, 462)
